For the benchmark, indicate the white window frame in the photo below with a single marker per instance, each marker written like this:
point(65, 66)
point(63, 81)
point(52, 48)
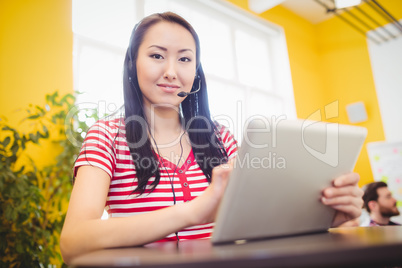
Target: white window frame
point(281, 88)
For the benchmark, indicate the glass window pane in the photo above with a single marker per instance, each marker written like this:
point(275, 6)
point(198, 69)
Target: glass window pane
point(155, 6)
point(253, 60)
point(215, 35)
point(260, 103)
point(236, 56)
point(216, 45)
point(107, 21)
point(99, 74)
point(226, 103)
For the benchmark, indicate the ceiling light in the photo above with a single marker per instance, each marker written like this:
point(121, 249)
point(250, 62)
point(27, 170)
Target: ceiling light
point(346, 3)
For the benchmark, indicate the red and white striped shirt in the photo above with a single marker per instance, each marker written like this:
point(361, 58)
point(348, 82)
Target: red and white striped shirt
point(105, 147)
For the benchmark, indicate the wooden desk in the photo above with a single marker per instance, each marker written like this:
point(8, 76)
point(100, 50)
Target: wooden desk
point(341, 247)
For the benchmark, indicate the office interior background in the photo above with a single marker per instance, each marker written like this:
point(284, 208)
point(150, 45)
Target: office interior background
point(299, 68)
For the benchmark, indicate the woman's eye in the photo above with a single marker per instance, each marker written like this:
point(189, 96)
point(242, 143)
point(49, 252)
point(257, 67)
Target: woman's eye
point(156, 56)
point(184, 59)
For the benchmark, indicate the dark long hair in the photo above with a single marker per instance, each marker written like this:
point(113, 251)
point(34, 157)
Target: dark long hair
point(204, 137)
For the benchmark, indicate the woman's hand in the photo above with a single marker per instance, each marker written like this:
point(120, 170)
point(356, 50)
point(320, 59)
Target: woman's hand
point(346, 197)
point(205, 206)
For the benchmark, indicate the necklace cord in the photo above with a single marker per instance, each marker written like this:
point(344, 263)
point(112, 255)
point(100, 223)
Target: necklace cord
point(171, 179)
point(157, 149)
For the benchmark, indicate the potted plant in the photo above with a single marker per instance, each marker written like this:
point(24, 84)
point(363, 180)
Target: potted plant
point(34, 198)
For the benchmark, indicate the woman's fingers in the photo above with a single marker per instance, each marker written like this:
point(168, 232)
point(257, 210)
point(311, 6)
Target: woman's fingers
point(205, 206)
point(347, 179)
point(348, 204)
point(227, 166)
point(345, 196)
point(333, 192)
point(220, 175)
point(345, 192)
point(351, 211)
point(343, 201)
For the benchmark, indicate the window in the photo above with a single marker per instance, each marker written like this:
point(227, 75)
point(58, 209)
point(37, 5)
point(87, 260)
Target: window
point(244, 58)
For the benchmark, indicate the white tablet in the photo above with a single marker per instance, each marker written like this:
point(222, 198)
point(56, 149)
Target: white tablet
point(279, 174)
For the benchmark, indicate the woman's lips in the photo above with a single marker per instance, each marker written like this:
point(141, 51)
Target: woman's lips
point(168, 88)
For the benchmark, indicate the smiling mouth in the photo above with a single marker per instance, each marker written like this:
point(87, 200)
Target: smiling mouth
point(168, 88)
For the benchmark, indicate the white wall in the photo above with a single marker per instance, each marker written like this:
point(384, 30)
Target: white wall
point(386, 61)
point(386, 157)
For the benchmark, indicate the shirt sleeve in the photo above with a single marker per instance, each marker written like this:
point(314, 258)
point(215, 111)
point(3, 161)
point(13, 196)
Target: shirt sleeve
point(228, 140)
point(97, 149)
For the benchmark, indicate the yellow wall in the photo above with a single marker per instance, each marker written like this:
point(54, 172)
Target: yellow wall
point(36, 44)
point(330, 62)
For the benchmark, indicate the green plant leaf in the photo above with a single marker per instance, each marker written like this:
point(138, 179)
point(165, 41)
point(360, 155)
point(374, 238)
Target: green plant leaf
point(23, 142)
point(6, 141)
point(33, 138)
point(7, 128)
point(15, 148)
point(20, 170)
point(45, 133)
point(40, 109)
point(29, 193)
point(35, 116)
point(10, 213)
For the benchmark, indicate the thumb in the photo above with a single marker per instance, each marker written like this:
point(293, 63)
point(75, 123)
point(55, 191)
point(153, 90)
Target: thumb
point(220, 176)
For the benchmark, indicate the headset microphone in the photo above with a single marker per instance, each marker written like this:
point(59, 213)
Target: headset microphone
point(185, 94)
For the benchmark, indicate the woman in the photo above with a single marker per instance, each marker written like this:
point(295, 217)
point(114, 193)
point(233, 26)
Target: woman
point(165, 152)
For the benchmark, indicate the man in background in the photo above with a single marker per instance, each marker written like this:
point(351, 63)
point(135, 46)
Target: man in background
point(380, 204)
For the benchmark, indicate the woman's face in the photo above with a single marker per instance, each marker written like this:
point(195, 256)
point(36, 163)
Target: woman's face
point(166, 64)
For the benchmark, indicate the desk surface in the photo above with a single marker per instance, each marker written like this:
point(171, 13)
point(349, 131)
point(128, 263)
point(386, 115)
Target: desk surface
point(340, 247)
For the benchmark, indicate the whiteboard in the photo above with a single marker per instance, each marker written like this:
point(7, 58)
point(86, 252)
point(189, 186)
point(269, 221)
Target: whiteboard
point(386, 165)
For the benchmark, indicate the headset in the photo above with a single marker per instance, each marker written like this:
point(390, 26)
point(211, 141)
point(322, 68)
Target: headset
point(180, 94)
point(185, 94)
